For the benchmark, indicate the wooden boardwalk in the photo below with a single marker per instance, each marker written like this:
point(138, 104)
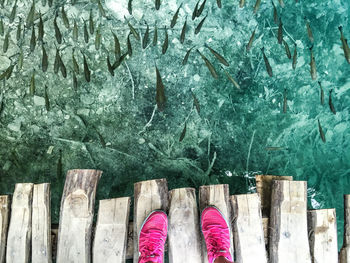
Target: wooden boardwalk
point(272, 225)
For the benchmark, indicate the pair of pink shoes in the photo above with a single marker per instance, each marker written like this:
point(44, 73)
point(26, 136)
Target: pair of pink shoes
point(215, 230)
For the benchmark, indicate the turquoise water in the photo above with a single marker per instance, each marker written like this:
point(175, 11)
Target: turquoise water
point(112, 123)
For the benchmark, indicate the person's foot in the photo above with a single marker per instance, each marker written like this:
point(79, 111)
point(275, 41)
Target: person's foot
point(152, 237)
point(216, 234)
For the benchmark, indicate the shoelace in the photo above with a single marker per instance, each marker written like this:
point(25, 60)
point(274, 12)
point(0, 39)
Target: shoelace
point(153, 244)
point(216, 239)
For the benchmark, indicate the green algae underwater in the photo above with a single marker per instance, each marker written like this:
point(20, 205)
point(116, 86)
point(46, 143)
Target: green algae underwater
point(196, 92)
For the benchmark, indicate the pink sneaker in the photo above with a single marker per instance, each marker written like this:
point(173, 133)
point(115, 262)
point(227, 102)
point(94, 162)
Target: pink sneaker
point(152, 237)
point(216, 234)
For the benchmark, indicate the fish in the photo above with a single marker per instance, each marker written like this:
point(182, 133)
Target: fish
point(98, 38)
point(145, 38)
point(7, 73)
point(47, 101)
point(209, 65)
point(322, 93)
point(50, 2)
point(221, 59)
point(75, 31)
point(134, 32)
point(200, 9)
point(65, 18)
point(43, 2)
point(40, 29)
point(323, 137)
point(275, 148)
point(56, 64)
point(19, 30)
point(275, 14)
point(194, 13)
point(345, 45)
point(58, 34)
point(86, 33)
point(13, 13)
point(1, 103)
point(250, 43)
point(241, 3)
point(20, 60)
point(183, 32)
point(62, 67)
point(87, 72)
point(313, 71)
point(157, 4)
point(59, 170)
point(117, 51)
point(198, 28)
point(286, 47)
point(330, 103)
point(218, 2)
point(32, 84)
point(285, 101)
point(257, 6)
point(30, 16)
point(75, 64)
point(109, 66)
point(118, 62)
point(129, 46)
point(295, 57)
point(160, 94)
point(2, 31)
point(234, 82)
point(102, 141)
point(130, 7)
point(166, 42)
point(280, 32)
point(281, 3)
point(44, 60)
point(91, 23)
point(5, 46)
point(309, 31)
point(183, 133)
point(184, 61)
point(101, 9)
point(267, 63)
point(32, 40)
point(174, 19)
point(75, 81)
point(196, 103)
point(155, 35)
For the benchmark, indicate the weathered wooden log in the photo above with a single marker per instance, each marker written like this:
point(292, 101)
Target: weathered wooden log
point(263, 187)
point(184, 235)
point(248, 231)
point(77, 210)
point(218, 196)
point(148, 196)
point(111, 231)
point(288, 223)
point(41, 224)
point(4, 216)
point(19, 234)
point(322, 226)
point(345, 250)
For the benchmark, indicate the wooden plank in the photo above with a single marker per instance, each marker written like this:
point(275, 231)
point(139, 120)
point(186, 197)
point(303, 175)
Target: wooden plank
point(184, 235)
point(322, 226)
point(288, 223)
point(77, 210)
point(41, 224)
point(345, 250)
point(248, 231)
point(148, 196)
point(111, 230)
point(218, 196)
point(265, 222)
point(263, 187)
point(4, 216)
point(19, 234)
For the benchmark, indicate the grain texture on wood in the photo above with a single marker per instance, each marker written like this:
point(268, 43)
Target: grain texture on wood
point(111, 231)
point(345, 250)
point(263, 188)
point(218, 196)
point(4, 216)
point(77, 210)
point(184, 236)
point(288, 223)
point(265, 222)
point(19, 234)
point(248, 231)
point(41, 224)
point(322, 226)
point(148, 196)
